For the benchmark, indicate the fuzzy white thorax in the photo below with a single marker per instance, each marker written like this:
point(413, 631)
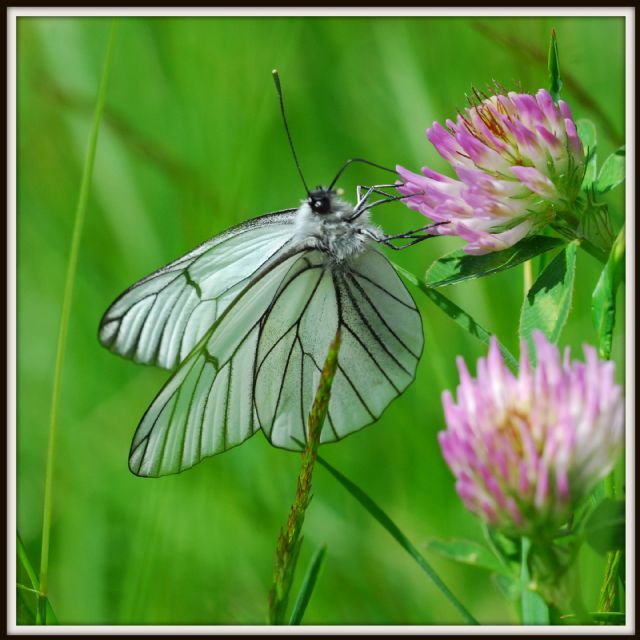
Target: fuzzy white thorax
point(333, 232)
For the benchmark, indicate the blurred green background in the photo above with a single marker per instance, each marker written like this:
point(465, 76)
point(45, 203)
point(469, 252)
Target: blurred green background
point(191, 143)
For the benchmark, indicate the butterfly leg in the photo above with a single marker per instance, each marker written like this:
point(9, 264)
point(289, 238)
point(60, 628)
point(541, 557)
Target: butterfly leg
point(362, 200)
point(358, 211)
point(414, 237)
point(362, 205)
point(377, 188)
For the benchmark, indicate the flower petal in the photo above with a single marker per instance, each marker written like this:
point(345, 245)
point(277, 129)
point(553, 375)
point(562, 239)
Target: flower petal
point(498, 241)
point(525, 449)
point(518, 161)
point(536, 181)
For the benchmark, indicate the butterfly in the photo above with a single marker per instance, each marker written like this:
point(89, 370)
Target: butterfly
point(245, 322)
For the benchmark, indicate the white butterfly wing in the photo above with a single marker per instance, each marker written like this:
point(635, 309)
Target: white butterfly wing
point(382, 342)
point(259, 365)
point(206, 407)
point(160, 319)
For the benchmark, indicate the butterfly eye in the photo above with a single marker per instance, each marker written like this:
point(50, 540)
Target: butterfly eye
point(321, 205)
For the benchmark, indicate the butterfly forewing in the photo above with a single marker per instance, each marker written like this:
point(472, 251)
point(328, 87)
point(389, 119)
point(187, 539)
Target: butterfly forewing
point(160, 319)
point(206, 407)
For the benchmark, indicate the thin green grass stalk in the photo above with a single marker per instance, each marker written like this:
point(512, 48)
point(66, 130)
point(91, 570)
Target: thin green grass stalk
point(80, 213)
point(23, 587)
point(308, 585)
point(394, 530)
point(290, 539)
point(458, 315)
point(25, 561)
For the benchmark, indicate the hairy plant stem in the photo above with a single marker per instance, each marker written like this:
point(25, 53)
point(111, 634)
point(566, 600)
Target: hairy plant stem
point(81, 208)
point(290, 538)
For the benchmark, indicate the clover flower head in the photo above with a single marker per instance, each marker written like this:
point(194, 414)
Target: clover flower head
point(518, 161)
point(525, 448)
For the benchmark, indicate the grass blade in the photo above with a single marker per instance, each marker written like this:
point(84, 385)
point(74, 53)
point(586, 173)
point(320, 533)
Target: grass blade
point(393, 529)
point(26, 563)
point(24, 560)
point(87, 173)
point(308, 585)
point(457, 314)
point(467, 552)
point(462, 318)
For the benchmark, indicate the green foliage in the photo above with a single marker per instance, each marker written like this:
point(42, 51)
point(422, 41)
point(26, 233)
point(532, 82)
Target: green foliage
point(602, 617)
point(308, 585)
point(508, 586)
point(459, 316)
point(506, 549)
point(555, 82)
point(78, 224)
point(612, 172)
point(191, 144)
point(533, 607)
point(463, 319)
point(494, 558)
point(604, 529)
point(587, 134)
point(614, 575)
point(603, 301)
point(458, 265)
point(28, 598)
point(546, 306)
point(467, 552)
point(400, 537)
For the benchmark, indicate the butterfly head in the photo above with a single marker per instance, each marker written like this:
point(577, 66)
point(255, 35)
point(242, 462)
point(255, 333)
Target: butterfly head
point(322, 200)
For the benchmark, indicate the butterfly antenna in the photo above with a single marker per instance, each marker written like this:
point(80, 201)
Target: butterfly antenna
point(276, 79)
point(363, 161)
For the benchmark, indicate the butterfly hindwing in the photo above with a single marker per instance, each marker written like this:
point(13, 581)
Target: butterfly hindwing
point(381, 344)
point(161, 318)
